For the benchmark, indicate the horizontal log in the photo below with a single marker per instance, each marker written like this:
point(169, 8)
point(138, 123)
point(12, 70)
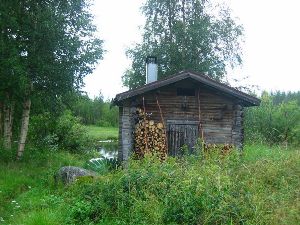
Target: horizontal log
point(221, 119)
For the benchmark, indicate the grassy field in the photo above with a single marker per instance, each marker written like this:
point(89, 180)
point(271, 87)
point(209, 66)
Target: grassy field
point(262, 187)
point(27, 191)
point(103, 133)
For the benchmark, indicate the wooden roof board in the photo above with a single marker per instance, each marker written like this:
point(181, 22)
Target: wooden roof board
point(246, 99)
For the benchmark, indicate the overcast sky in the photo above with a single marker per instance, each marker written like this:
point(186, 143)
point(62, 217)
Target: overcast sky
point(271, 48)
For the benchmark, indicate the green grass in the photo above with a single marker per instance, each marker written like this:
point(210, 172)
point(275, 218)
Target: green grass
point(103, 133)
point(254, 152)
point(261, 187)
point(27, 192)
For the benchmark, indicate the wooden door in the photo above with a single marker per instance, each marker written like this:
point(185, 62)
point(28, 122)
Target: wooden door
point(181, 133)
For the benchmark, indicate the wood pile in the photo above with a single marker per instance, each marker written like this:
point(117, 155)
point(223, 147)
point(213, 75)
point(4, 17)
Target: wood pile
point(150, 137)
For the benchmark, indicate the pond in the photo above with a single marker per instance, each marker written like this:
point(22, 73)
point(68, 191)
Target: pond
point(108, 149)
point(108, 157)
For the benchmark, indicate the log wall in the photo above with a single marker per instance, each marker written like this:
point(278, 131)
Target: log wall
point(221, 116)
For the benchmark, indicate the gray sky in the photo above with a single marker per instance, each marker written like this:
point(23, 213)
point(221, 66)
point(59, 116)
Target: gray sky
point(271, 49)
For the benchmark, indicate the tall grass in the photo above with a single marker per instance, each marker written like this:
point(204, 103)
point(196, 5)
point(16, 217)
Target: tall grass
point(260, 186)
point(273, 123)
point(27, 192)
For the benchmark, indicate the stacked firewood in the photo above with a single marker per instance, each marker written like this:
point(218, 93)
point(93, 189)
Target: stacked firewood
point(150, 137)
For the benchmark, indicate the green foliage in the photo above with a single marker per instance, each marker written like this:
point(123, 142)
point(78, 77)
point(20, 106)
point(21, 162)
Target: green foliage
point(84, 180)
point(40, 217)
point(65, 132)
point(46, 49)
point(273, 123)
point(102, 165)
point(279, 97)
point(185, 34)
point(27, 192)
point(258, 187)
point(54, 63)
point(64, 129)
point(11, 67)
point(42, 131)
point(110, 116)
point(218, 190)
point(255, 152)
point(72, 135)
point(95, 111)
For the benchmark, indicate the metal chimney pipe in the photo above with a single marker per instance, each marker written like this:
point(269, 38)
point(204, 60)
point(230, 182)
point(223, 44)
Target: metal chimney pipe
point(151, 69)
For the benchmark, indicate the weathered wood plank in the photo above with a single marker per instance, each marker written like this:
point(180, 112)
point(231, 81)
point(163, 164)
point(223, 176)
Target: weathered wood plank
point(221, 118)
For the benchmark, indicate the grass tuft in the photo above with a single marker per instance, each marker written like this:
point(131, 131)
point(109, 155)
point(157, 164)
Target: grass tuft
point(260, 186)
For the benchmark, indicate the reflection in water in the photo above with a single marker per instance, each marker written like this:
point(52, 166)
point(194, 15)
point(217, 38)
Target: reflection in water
point(108, 154)
point(108, 149)
point(106, 141)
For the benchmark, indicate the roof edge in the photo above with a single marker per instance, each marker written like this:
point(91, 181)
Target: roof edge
point(249, 99)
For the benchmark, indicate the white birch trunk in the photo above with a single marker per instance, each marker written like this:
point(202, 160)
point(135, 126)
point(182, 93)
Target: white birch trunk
point(24, 127)
point(8, 111)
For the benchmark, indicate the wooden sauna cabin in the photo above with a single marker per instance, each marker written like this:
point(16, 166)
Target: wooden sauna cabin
point(189, 105)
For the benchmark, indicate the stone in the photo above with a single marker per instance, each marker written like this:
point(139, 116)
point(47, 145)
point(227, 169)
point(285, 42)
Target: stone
point(69, 174)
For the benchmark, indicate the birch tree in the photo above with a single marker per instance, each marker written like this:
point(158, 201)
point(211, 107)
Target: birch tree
point(10, 68)
point(186, 34)
point(57, 47)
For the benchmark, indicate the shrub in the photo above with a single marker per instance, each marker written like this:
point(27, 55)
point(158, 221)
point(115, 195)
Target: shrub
point(217, 190)
point(102, 165)
point(72, 136)
point(65, 132)
point(273, 123)
point(260, 186)
point(41, 130)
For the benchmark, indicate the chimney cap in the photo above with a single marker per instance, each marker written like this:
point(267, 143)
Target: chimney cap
point(151, 59)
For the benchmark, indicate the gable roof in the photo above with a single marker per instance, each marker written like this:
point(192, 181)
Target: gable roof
point(246, 99)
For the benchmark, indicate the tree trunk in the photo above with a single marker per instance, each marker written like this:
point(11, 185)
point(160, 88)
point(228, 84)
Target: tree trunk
point(184, 32)
point(170, 21)
point(24, 127)
point(8, 111)
point(1, 119)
